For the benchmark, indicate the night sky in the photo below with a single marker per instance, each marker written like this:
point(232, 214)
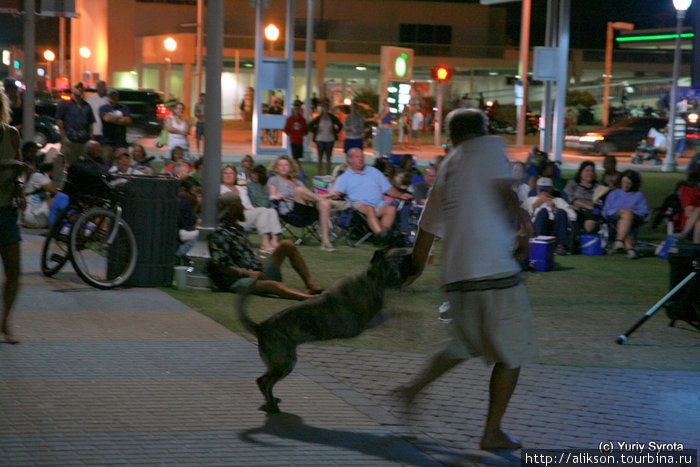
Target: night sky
point(588, 20)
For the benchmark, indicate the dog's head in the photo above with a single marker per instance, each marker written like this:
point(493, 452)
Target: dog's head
point(391, 267)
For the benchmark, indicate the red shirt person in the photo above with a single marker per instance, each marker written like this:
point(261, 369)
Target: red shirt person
point(296, 128)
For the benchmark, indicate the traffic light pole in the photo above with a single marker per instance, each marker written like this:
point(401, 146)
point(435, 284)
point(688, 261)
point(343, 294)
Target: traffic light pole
point(438, 115)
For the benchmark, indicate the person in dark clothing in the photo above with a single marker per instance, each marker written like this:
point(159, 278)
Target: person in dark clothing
point(115, 118)
point(190, 199)
point(74, 118)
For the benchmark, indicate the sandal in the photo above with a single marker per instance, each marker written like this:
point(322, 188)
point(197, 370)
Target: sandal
point(327, 247)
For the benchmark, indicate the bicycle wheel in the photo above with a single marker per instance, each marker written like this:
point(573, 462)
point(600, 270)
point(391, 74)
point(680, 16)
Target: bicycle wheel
point(102, 250)
point(55, 251)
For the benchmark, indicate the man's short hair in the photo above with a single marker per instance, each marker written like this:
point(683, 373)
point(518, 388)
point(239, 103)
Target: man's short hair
point(354, 149)
point(462, 123)
point(112, 92)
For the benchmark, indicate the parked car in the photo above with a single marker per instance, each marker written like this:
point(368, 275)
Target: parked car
point(146, 107)
point(623, 136)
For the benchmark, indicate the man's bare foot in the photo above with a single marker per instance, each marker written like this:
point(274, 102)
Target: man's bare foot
point(10, 339)
point(499, 441)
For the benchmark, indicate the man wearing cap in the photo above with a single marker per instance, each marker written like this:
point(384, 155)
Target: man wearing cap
point(115, 118)
point(473, 209)
point(74, 119)
point(295, 127)
point(234, 263)
point(550, 214)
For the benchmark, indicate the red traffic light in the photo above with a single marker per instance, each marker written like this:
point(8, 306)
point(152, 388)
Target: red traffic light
point(441, 73)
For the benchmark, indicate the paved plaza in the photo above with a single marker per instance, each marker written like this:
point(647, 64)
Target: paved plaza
point(133, 376)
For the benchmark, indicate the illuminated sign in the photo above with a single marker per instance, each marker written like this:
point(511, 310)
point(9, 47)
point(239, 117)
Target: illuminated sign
point(401, 65)
point(655, 37)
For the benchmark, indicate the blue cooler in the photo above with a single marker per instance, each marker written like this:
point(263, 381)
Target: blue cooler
point(542, 253)
point(591, 245)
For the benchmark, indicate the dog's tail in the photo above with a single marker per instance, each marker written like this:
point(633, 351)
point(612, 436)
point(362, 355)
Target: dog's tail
point(243, 292)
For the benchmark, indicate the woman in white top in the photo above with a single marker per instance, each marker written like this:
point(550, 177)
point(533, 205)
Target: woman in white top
point(286, 188)
point(265, 220)
point(178, 131)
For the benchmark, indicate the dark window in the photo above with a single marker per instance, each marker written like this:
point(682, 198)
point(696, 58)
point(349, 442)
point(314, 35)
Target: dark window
point(425, 34)
point(174, 2)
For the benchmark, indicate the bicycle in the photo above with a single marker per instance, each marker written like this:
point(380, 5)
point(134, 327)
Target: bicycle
point(91, 233)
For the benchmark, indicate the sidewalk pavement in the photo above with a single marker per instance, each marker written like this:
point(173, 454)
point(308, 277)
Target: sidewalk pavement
point(133, 376)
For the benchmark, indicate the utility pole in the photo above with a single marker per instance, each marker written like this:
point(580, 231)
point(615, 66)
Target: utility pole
point(29, 71)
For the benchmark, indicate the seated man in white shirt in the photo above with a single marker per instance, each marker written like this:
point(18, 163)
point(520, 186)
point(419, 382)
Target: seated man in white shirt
point(365, 187)
point(550, 214)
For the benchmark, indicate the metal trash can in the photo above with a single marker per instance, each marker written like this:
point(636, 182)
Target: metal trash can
point(150, 207)
point(382, 141)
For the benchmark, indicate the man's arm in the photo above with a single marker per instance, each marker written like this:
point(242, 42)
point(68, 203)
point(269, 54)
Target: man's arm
point(224, 263)
point(124, 119)
point(419, 255)
point(116, 119)
point(394, 193)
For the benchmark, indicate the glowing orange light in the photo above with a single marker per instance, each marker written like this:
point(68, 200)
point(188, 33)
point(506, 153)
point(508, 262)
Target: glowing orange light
point(272, 32)
point(442, 73)
point(170, 44)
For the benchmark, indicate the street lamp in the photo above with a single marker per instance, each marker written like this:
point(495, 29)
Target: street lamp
point(49, 56)
point(608, 66)
point(272, 33)
point(670, 162)
point(85, 53)
point(170, 45)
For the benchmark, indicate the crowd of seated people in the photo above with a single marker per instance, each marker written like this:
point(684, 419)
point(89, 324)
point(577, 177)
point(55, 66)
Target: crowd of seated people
point(387, 195)
point(615, 202)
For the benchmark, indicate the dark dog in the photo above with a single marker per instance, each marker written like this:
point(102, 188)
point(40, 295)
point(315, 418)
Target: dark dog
point(343, 311)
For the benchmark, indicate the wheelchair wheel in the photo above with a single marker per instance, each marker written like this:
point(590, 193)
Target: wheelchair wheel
point(55, 252)
point(103, 249)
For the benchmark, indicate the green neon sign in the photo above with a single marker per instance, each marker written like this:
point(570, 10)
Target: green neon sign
point(401, 65)
point(656, 37)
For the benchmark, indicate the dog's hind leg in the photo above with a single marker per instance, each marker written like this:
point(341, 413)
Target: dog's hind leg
point(278, 368)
